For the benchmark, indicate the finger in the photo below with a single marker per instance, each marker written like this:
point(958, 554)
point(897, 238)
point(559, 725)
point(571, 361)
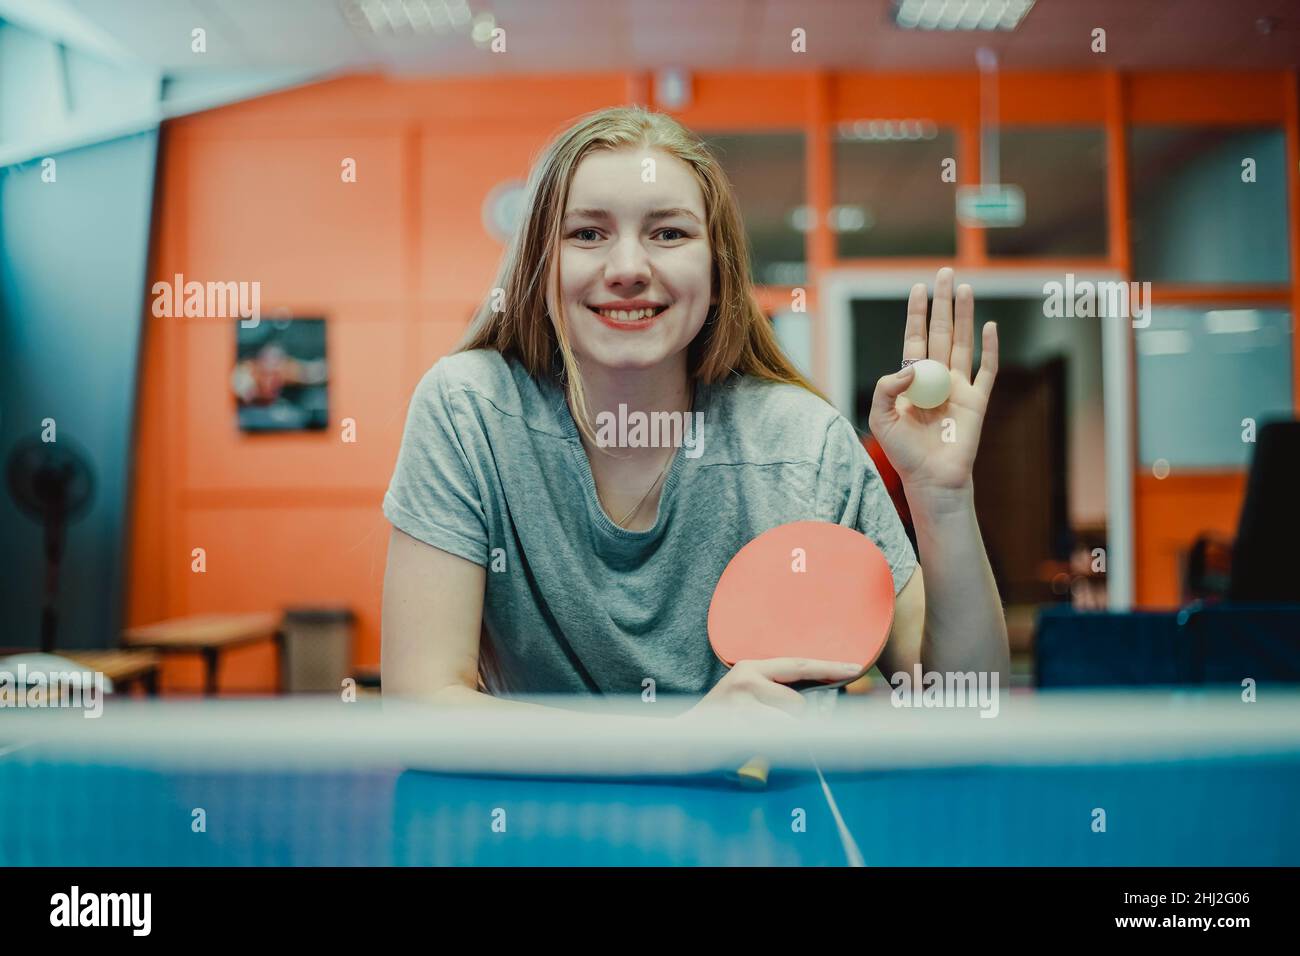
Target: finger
point(963, 332)
point(787, 670)
point(888, 388)
point(988, 360)
point(941, 318)
point(779, 697)
point(914, 333)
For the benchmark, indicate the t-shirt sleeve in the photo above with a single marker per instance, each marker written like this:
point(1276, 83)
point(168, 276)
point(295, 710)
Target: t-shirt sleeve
point(850, 492)
point(434, 495)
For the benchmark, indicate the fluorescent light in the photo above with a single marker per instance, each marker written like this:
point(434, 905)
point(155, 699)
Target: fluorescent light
point(951, 14)
point(1231, 321)
point(850, 219)
point(801, 218)
point(1164, 342)
point(960, 14)
point(481, 31)
point(887, 129)
point(408, 16)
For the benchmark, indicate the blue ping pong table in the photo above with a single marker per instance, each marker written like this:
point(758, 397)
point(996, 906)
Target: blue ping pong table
point(1222, 811)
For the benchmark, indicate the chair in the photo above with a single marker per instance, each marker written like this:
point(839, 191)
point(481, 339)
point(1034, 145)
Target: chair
point(1268, 533)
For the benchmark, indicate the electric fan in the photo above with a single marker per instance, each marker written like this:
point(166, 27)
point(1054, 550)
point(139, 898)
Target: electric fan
point(53, 483)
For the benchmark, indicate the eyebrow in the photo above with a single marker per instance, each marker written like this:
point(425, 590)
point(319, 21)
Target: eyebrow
point(650, 216)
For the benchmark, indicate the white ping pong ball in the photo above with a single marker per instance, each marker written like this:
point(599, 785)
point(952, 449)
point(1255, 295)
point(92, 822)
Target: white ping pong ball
point(930, 384)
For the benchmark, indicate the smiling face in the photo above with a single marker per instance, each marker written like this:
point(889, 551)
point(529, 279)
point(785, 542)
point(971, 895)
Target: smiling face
point(634, 259)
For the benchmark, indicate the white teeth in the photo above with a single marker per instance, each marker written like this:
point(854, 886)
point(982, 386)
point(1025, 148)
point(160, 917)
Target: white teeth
point(622, 315)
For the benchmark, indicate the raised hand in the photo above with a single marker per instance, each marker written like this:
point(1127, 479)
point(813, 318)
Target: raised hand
point(933, 450)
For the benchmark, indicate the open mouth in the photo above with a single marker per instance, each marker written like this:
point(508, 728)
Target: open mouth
point(628, 319)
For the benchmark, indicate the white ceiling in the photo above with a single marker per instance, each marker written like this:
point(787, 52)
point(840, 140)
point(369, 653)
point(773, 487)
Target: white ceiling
point(601, 35)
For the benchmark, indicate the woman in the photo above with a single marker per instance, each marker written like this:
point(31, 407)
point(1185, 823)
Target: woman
point(527, 553)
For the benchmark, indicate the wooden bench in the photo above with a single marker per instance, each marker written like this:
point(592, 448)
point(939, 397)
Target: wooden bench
point(124, 668)
point(210, 635)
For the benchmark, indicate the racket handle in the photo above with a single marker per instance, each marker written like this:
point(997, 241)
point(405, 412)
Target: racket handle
point(753, 775)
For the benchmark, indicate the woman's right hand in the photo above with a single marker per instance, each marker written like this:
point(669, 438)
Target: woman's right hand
point(762, 684)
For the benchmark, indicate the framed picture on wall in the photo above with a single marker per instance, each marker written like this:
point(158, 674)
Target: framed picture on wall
point(281, 376)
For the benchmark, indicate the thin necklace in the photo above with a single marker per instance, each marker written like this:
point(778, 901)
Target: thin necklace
point(663, 471)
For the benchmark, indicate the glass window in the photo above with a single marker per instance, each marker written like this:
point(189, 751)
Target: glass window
point(767, 172)
point(1208, 204)
point(795, 335)
point(1200, 373)
point(1062, 171)
point(890, 197)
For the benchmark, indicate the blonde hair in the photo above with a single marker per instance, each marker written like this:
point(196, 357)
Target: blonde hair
point(736, 338)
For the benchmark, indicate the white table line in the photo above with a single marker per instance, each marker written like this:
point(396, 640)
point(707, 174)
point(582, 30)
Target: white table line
point(851, 851)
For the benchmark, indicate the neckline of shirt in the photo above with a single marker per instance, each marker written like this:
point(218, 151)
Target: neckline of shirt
point(602, 521)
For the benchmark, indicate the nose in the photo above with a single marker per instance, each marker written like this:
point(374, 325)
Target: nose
point(628, 266)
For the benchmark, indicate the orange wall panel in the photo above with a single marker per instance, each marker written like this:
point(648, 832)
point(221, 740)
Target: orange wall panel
point(276, 555)
point(746, 101)
point(219, 455)
point(146, 598)
point(458, 167)
point(1170, 514)
point(946, 98)
point(1236, 98)
point(275, 209)
point(1057, 99)
point(432, 338)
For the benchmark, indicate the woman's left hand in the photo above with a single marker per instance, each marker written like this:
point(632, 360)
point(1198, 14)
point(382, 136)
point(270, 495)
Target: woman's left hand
point(933, 450)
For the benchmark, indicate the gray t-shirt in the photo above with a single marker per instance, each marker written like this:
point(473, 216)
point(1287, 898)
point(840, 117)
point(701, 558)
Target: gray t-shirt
point(492, 469)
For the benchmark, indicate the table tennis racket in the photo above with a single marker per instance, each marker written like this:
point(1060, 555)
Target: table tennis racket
point(805, 589)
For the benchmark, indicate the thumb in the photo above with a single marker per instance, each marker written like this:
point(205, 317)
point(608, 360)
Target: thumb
point(889, 387)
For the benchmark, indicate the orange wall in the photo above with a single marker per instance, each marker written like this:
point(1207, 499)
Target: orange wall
point(398, 260)
point(1170, 513)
